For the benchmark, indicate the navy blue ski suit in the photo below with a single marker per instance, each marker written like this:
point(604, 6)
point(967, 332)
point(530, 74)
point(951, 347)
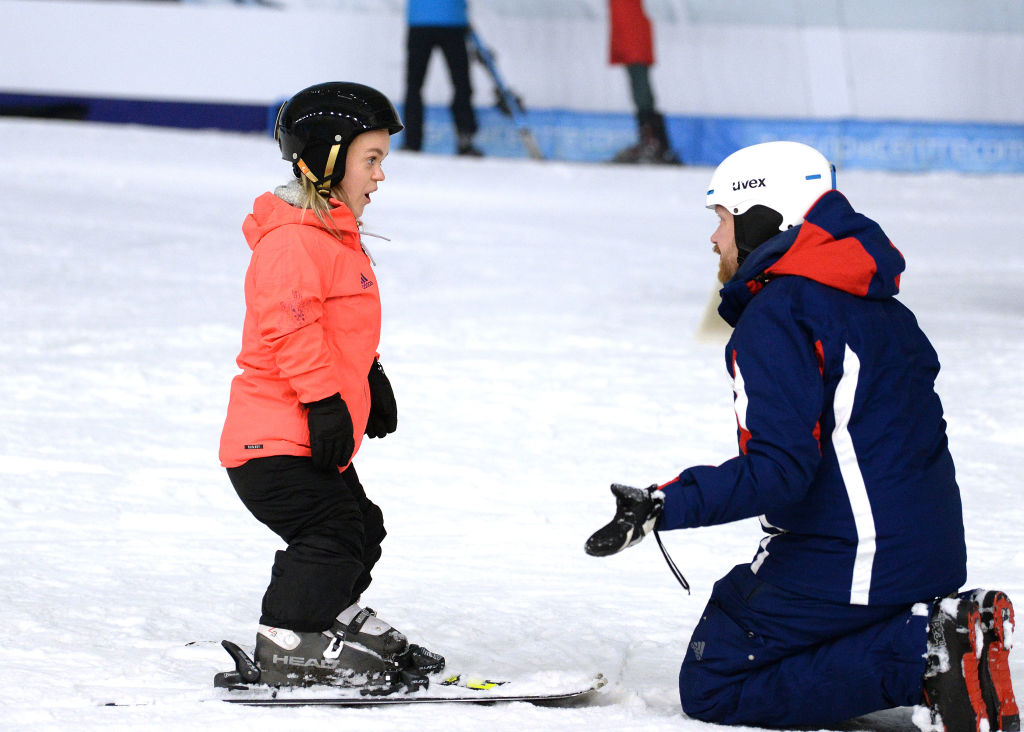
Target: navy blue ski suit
point(843, 455)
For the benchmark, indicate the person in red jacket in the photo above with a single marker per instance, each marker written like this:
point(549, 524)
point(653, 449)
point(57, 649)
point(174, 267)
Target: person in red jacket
point(310, 388)
point(632, 45)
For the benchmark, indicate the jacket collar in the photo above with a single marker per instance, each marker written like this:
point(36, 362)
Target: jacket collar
point(835, 246)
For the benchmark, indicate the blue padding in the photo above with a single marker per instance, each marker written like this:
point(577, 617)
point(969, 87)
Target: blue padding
point(912, 146)
point(865, 144)
point(562, 134)
point(191, 115)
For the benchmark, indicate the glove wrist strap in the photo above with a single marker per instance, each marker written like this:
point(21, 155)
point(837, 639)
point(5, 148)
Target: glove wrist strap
point(672, 565)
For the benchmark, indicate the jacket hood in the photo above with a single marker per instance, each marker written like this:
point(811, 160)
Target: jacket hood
point(835, 246)
point(273, 210)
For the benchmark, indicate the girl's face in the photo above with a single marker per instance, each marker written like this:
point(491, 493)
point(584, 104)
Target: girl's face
point(363, 169)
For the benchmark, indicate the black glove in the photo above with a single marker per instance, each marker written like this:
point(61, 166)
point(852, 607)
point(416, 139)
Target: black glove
point(330, 433)
point(636, 512)
point(383, 419)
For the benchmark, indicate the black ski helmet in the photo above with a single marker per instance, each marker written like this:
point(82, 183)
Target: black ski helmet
point(314, 127)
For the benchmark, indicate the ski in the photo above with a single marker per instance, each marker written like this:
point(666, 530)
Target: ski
point(406, 686)
point(454, 690)
point(508, 101)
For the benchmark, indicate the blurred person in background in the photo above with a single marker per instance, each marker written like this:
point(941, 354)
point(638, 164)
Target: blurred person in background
point(439, 24)
point(632, 45)
point(310, 388)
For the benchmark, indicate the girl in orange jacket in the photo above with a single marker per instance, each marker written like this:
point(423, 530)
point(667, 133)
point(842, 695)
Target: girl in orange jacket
point(310, 388)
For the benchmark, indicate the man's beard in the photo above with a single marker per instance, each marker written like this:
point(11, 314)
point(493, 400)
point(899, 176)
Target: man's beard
point(725, 270)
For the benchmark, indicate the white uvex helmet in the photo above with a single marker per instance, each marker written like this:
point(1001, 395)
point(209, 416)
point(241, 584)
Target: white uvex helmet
point(768, 188)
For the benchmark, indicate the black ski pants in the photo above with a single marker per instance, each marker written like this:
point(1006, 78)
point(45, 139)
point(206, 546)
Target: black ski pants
point(419, 45)
point(332, 529)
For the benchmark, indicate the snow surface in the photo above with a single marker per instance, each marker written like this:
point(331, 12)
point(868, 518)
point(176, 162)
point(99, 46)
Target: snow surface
point(540, 328)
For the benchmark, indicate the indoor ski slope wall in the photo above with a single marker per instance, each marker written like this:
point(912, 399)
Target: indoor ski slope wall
point(930, 85)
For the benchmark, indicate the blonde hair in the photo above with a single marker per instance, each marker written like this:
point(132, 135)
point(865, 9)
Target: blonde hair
point(313, 201)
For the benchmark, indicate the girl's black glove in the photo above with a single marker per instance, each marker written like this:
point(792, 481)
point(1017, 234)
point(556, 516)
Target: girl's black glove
point(330, 433)
point(383, 419)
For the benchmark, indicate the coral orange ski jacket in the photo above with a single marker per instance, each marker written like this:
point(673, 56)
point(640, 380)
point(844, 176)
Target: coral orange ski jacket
point(312, 327)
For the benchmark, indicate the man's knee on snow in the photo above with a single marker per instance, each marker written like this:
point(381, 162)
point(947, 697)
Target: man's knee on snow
point(704, 695)
point(719, 658)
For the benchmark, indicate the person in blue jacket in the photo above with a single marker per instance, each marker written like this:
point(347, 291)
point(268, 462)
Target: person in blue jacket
point(850, 602)
point(439, 24)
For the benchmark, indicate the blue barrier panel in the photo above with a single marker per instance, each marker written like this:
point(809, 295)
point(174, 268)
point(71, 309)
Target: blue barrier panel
point(893, 145)
point(560, 134)
point(909, 146)
point(191, 115)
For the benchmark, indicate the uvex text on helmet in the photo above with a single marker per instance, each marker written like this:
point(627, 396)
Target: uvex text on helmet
point(768, 188)
point(314, 127)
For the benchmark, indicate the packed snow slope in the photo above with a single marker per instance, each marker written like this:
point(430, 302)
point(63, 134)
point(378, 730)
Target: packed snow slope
point(540, 331)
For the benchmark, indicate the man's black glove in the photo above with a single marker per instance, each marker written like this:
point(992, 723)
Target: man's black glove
point(636, 512)
point(383, 419)
point(330, 433)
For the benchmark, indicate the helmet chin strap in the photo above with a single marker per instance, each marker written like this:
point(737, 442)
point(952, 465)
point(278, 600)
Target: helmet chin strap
point(323, 185)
